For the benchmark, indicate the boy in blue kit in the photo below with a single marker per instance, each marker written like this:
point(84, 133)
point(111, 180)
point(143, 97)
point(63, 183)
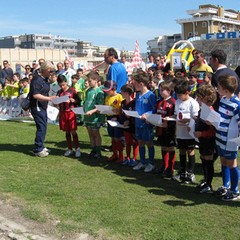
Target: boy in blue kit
point(145, 104)
point(229, 128)
point(186, 108)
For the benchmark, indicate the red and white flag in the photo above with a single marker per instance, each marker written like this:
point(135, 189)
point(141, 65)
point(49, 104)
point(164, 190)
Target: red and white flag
point(136, 60)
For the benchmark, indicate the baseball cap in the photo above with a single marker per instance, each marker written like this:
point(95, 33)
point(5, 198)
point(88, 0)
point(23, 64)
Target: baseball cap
point(34, 62)
point(109, 85)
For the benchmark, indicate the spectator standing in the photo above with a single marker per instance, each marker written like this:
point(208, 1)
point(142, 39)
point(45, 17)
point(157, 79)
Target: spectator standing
point(116, 71)
point(6, 72)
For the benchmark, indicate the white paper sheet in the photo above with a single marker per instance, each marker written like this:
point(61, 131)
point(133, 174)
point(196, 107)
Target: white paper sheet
point(116, 124)
point(235, 140)
point(52, 112)
point(170, 119)
point(132, 113)
point(105, 109)
point(207, 114)
point(192, 129)
point(61, 99)
point(78, 110)
point(154, 119)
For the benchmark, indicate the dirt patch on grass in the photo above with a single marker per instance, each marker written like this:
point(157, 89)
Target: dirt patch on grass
point(14, 226)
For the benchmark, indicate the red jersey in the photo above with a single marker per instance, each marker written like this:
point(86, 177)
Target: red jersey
point(66, 106)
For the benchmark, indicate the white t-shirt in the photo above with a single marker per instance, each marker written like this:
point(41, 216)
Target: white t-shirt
point(185, 110)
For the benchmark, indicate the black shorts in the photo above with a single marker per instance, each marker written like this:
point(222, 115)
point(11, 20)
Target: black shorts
point(186, 143)
point(167, 140)
point(207, 146)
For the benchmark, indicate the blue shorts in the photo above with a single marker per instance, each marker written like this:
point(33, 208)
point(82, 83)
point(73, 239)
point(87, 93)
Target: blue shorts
point(229, 155)
point(145, 134)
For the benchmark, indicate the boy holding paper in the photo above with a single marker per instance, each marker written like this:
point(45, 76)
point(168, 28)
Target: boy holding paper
point(206, 135)
point(166, 132)
point(114, 100)
point(229, 128)
point(67, 118)
point(145, 104)
point(92, 118)
point(186, 107)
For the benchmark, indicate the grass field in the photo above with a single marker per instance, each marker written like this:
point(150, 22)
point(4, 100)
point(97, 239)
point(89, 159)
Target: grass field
point(106, 199)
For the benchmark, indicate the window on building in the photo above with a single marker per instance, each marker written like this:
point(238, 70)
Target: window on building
point(204, 24)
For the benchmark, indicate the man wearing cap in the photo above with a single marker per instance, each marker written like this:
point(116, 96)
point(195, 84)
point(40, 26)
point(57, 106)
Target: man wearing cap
point(116, 72)
point(34, 66)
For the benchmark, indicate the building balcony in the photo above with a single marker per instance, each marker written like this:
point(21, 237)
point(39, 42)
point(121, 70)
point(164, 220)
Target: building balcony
point(208, 18)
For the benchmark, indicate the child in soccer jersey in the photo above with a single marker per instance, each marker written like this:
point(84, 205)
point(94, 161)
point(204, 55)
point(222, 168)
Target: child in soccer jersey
point(186, 107)
point(129, 133)
point(145, 104)
point(206, 135)
point(67, 118)
point(229, 128)
point(92, 118)
point(166, 133)
point(114, 100)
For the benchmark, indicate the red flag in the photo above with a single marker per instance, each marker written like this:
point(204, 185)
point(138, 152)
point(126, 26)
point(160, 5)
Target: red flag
point(137, 58)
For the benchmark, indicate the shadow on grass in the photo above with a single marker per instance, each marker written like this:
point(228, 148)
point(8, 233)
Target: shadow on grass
point(186, 194)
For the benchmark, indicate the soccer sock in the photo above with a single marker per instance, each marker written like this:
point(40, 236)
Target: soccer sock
point(135, 150)
point(191, 161)
point(204, 168)
point(98, 149)
point(172, 159)
point(75, 140)
point(226, 176)
point(142, 152)
point(69, 140)
point(183, 160)
point(128, 145)
point(165, 157)
point(151, 153)
point(209, 172)
point(234, 173)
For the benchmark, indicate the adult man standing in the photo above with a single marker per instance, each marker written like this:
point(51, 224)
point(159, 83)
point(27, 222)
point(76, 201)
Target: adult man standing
point(116, 72)
point(68, 72)
point(201, 67)
point(218, 62)
point(6, 72)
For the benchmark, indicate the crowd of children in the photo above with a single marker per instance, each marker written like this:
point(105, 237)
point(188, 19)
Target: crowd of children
point(177, 99)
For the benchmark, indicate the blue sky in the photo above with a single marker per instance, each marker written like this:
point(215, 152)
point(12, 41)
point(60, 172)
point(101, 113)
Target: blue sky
point(103, 22)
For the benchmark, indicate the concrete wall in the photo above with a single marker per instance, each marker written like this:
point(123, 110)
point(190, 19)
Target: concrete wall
point(26, 56)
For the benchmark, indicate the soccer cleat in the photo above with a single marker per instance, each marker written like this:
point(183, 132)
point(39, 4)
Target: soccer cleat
point(180, 176)
point(47, 150)
point(149, 168)
point(132, 162)
point(68, 153)
point(231, 196)
point(190, 178)
point(206, 189)
point(42, 154)
point(126, 161)
point(78, 153)
point(168, 173)
point(139, 166)
point(221, 191)
point(201, 184)
point(97, 155)
point(92, 153)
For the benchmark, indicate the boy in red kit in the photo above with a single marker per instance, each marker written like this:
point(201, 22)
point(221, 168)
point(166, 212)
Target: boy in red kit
point(166, 133)
point(67, 118)
point(206, 135)
point(129, 133)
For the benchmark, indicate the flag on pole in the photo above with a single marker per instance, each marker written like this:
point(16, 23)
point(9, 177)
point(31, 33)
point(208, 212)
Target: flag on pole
point(136, 60)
